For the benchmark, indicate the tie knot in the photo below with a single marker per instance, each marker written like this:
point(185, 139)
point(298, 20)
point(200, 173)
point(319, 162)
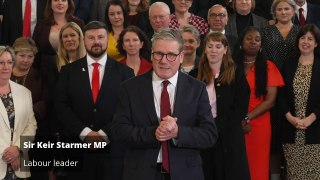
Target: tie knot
point(95, 65)
point(165, 83)
point(300, 10)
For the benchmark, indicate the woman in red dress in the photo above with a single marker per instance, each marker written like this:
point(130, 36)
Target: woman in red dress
point(263, 78)
point(132, 43)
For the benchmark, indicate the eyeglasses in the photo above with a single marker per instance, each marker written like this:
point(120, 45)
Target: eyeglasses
point(170, 56)
point(160, 17)
point(9, 63)
point(214, 15)
point(186, 1)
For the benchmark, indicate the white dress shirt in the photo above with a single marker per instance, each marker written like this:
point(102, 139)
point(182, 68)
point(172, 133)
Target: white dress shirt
point(102, 63)
point(157, 90)
point(304, 12)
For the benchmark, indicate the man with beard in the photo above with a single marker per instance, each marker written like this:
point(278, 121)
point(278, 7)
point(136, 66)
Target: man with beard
point(87, 94)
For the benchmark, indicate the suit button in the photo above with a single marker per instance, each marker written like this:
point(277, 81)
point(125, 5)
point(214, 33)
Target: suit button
point(94, 110)
point(91, 125)
point(218, 96)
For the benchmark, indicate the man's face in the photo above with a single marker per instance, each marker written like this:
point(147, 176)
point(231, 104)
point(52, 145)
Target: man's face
point(96, 42)
point(164, 68)
point(158, 18)
point(300, 2)
point(217, 18)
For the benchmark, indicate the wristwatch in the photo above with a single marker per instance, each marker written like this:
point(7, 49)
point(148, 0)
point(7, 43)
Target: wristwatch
point(246, 119)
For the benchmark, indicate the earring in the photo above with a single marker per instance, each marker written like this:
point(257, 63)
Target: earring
point(240, 47)
point(260, 50)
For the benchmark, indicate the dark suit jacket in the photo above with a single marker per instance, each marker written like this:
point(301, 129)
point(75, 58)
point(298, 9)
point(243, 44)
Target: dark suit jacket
point(313, 15)
point(316, 2)
point(12, 19)
point(74, 102)
point(41, 38)
point(82, 9)
point(231, 27)
point(136, 121)
point(286, 102)
point(201, 7)
point(227, 159)
point(98, 10)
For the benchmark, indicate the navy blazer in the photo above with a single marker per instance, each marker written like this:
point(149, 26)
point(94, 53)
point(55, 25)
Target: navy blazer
point(286, 101)
point(12, 19)
point(136, 122)
point(313, 15)
point(82, 9)
point(74, 103)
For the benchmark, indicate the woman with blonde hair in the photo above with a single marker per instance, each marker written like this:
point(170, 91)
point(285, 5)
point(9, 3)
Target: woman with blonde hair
point(71, 44)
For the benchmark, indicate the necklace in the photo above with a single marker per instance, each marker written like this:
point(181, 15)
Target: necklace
point(249, 62)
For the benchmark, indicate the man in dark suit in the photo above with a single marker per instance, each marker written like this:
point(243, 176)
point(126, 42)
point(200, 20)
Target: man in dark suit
point(310, 12)
point(87, 94)
point(12, 25)
point(82, 9)
point(164, 145)
point(98, 10)
point(159, 17)
point(218, 19)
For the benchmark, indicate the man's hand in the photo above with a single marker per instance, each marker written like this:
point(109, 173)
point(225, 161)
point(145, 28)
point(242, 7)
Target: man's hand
point(92, 137)
point(167, 129)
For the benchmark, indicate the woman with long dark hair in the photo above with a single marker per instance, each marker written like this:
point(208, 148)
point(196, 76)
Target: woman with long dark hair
point(263, 78)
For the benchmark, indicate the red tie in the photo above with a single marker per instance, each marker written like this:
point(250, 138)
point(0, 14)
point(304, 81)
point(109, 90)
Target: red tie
point(95, 81)
point(302, 20)
point(27, 20)
point(164, 111)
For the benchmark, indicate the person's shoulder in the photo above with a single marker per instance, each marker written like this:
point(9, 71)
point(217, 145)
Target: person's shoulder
point(185, 78)
point(19, 88)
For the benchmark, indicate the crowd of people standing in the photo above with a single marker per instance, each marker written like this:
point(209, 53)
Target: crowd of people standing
point(179, 89)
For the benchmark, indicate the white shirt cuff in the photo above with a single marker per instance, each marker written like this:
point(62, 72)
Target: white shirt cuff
point(84, 133)
point(104, 135)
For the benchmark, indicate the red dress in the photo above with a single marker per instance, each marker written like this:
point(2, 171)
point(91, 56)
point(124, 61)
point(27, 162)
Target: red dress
point(258, 140)
point(145, 65)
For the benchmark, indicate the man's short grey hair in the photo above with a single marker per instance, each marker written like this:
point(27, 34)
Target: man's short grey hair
point(168, 34)
point(192, 30)
point(164, 6)
point(216, 5)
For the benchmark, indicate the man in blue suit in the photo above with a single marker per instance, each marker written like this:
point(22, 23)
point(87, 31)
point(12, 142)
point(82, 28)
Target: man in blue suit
point(164, 146)
point(311, 13)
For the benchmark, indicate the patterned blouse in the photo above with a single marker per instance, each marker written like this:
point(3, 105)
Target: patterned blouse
point(197, 21)
point(8, 104)
point(277, 48)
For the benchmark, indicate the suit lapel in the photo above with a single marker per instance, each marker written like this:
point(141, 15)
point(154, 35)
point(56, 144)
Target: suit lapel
point(182, 85)
point(85, 79)
point(107, 82)
point(147, 97)
point(18, 13)
point(4, 114)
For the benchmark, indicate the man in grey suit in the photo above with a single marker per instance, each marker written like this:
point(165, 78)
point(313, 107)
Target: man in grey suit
point(187, 127)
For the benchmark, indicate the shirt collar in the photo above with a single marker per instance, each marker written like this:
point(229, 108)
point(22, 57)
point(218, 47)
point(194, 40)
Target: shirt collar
point(173, 80)
point(223, 32)
point(102, 61)
point(304, 7)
